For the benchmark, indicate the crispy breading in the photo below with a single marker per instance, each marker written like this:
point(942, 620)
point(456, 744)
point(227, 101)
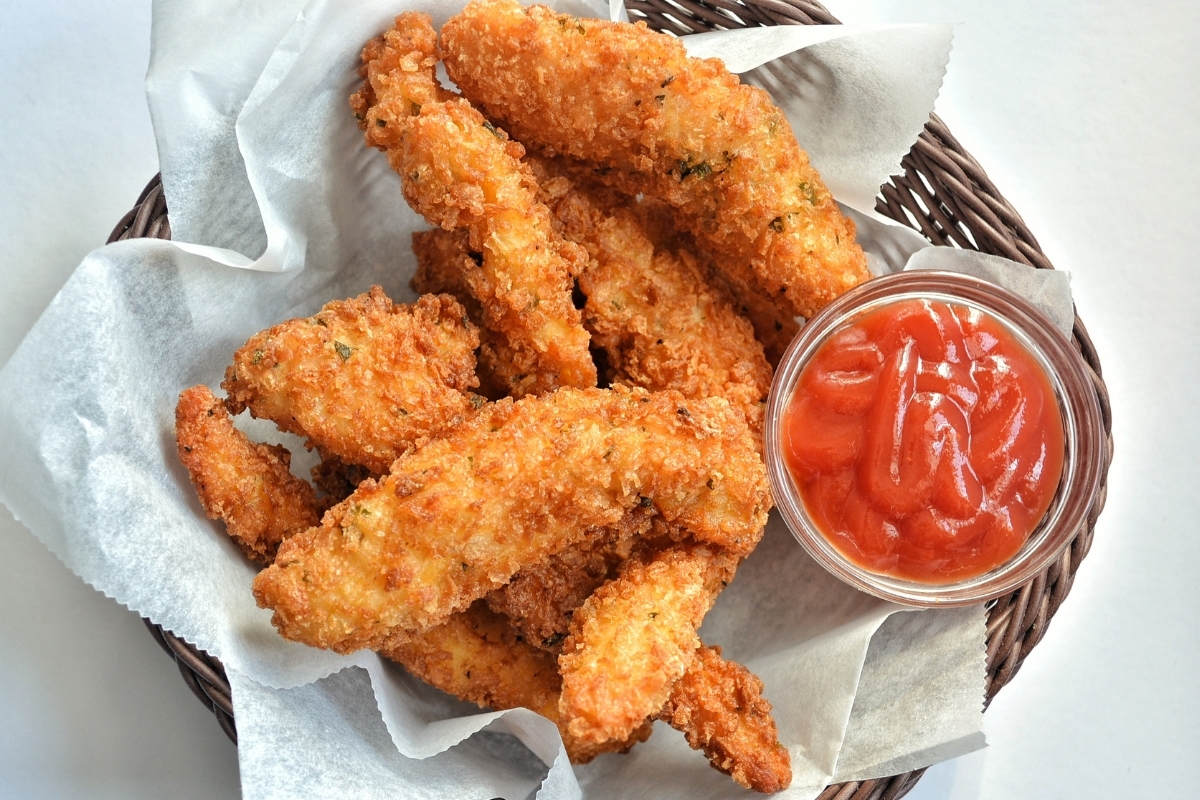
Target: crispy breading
point(659, 123)
point(719, 707)
point(774, 326)
point(335, 480)
point(444, 260)
point(634, 638)
point(477, 656)
point(774, 322)
point(541, 599)
point(364, 378)
point(459, 171)
point(653, 310)
point(516, 483)
point(244, 484)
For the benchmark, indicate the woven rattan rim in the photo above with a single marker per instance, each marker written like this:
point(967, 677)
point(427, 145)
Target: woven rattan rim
point(945, 195)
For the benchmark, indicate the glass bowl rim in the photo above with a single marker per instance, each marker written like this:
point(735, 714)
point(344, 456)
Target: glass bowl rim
point(1083, 435)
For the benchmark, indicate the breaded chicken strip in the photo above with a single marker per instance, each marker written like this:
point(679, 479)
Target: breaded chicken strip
point(335, 480)
point(444, 260)
point(478, 657)
point(683, 130)
point(541, 599)
point(653, 310)
point(364, 378)
point(459, 171)
point(716, 704)
point(719, 707)
point(244, 484)
point(508, 488)
point(634, 638)
point(774, 323)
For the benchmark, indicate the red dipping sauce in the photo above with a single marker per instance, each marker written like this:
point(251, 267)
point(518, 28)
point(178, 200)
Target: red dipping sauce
point(925, 441)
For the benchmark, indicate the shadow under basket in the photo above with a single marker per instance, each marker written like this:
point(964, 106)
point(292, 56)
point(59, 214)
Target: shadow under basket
point(943, 194)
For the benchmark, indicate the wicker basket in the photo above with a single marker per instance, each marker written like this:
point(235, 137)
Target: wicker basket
point(946, 196)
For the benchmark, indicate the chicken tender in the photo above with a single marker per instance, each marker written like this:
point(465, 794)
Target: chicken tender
point(774, 323)
point(479, 656)
point(516, 483)
point(775, 326)
point(541, 599)
point(653, 310)
point(719, 707)
point(656, 122)
point(335, 480)
point(634, 638)
point(461, 172)
point(363, 379)
point(244, 484)
point(444, 260)
point(476, 656)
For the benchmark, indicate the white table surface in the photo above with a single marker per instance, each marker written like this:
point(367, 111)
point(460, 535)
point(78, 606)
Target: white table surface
point(1086, 115)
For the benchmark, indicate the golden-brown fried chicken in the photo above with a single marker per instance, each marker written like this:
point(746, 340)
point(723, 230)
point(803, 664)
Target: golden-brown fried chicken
point(244, 484)
point(477, 656)
point(516, 483)
point(444, 260)
point(634, 638)
point(653, 310)
point(363, 379)
point(774, 322)
point(460, 171)
point(719, 707)
point(659, 123)
point(541, 599)
point(335, 480)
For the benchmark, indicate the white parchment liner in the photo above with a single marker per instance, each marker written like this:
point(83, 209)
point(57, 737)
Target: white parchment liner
point(266, 172)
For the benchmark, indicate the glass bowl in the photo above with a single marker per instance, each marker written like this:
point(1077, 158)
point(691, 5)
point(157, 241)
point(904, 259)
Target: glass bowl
point(1077, 404)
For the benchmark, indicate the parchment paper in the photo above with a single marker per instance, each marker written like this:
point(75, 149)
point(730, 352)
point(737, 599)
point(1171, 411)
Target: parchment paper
point(265, 172)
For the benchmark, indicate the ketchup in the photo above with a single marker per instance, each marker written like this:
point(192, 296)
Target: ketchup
point(925, 441)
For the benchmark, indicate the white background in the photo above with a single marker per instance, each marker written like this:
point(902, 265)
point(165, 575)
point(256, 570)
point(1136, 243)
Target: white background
point(1087, 117)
